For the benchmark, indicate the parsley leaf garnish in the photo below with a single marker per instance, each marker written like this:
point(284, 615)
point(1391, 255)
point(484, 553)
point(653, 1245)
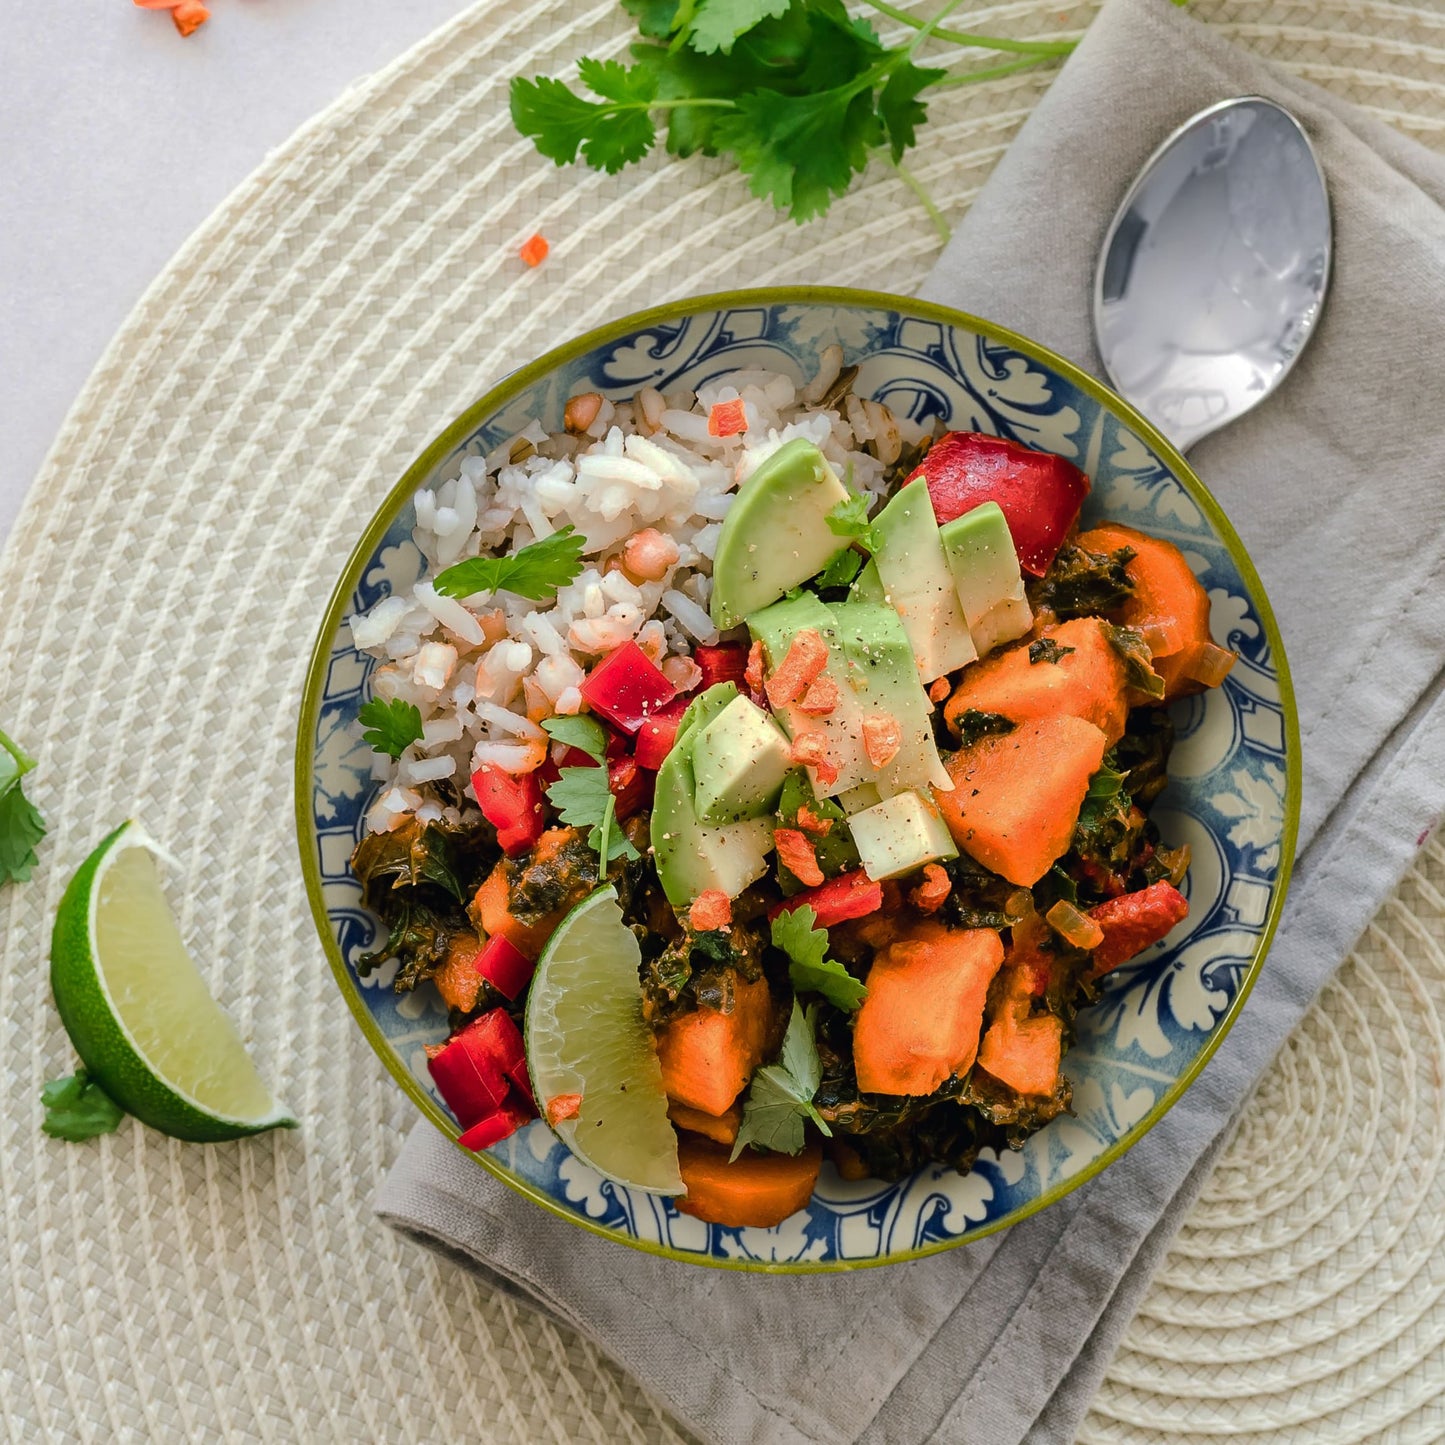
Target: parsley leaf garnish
point(780, 1101)
point(535, 571)
point(390, 727)
point(77, 1108)
point(21, 826)
point(798, 91)
point(841, 570)
point(849, 518)
point(809, 967)
point(585, 734)
point(583, 798)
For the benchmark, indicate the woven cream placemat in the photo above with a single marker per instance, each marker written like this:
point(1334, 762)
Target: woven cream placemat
point(157, 601)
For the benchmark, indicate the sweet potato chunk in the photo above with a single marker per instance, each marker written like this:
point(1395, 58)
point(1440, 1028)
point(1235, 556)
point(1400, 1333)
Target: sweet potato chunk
point(1020, 1049)
point(1088, 681)
point(920, 1022)
point(722, 1128)
point(1016, 798)
point(708, 1056)
point(755, 1189)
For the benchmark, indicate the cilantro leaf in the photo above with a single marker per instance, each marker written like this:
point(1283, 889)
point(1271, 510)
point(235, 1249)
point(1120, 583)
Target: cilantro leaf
point(655, 18)
point(77, 1108)
point(810, 970)
point(585, 734)
point(584, 800)
point(900, 108)
point(390, 727)
point(780, 1100)
point(610, 134)
point(535, 572)
point(21, 826)
point(841, 570)
point(849, 518)
point(717, 24)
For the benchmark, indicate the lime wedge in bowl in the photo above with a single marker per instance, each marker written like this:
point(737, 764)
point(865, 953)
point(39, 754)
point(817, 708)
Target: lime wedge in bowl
point(137, 1009)
point(588, 1044)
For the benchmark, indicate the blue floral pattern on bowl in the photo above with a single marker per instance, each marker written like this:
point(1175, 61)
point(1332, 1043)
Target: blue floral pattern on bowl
point(1232, 796)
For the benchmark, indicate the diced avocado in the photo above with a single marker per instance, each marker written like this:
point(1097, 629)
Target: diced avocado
point(867, 585)
point(980, 551)
point(900, 834)
point(739, 761)
point(775, 627)
point(692, 857)
point(883, 679)
point(776, 533)
point(704, 708)
point(918, 583)
point(865, 795)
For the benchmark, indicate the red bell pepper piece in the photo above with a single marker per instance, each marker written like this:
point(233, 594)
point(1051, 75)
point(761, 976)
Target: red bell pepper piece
point(727, 418)
point(657, 735)
point(1040, 494)
point(627, 688)
point(505, 1041)
point(849, 895)
point(723, 662)
point(505, 966)
point(496, 1127)
point(1133, 921)
point(631, 786)
point(512, 803)
point(469, 1073)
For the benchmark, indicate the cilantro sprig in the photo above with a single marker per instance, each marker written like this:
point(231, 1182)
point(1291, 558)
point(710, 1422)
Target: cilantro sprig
point(535, 571)
point(77, 1108)
point(584, 799)
point(810, 970)
point(390, 727)
point(780, 1100)
point(800, 93)
point(21, 826)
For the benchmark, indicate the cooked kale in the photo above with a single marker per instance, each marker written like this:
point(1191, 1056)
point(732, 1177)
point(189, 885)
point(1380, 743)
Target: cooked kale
point(946, 1132)
point(1138, 660)
point(699, 969)
point(1017, 1115)
point(417, 880)
point(977, 898)
point(1047, 650)
point(971, 725)
point(1143, 753)
point(1080, 583)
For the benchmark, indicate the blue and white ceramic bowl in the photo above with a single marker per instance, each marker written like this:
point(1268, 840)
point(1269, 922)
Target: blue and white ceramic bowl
point(1233, 795)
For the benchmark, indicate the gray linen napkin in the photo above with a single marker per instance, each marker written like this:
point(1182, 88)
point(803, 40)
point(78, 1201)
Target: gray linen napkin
point(1336, 487)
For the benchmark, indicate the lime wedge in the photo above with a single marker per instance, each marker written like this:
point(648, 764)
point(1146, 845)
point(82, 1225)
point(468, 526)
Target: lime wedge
point(137, 1009)
point(586, 1036)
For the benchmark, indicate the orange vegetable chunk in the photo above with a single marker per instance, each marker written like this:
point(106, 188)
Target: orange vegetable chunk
point(1016, 798)
point(1088, 682)
point(534, 250)
point(723, 1128)
point(457, 980)
point(709, 1056)
point(1020, 1049)
point(755, 1189)
point(1169, 606)
point(921, 1020)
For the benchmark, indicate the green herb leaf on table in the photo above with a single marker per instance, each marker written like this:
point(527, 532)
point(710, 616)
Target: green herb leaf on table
point(810, 970)
point(390, 727)
point(584, 800)
point(535, 571)
point(780, 1100)
point(77, 1108)
point(585, 734)
point(798, 91)
point(21, 826)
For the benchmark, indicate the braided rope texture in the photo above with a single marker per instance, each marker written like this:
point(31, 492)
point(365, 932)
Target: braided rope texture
point(160, 594)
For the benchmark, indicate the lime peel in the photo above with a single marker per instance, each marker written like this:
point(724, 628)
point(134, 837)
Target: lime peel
point(587, 1037)
point(137, 1009)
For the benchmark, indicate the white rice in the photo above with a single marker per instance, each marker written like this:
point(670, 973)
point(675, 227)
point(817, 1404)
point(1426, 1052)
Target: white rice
point(485, 670)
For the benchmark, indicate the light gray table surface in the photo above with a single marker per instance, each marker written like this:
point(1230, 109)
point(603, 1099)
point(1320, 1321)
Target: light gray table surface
point(117, 139)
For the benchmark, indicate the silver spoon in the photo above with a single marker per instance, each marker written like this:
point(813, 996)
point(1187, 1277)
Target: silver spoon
point(1215, 268)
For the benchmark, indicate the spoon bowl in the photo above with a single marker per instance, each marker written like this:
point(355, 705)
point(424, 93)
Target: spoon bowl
point(1214, 270)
